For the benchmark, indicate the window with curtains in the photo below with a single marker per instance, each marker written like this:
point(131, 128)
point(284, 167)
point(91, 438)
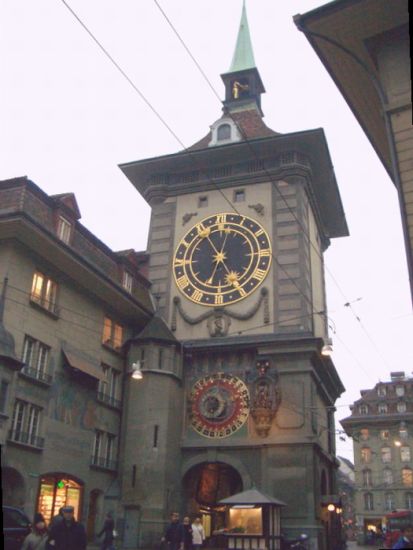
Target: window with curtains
point(112, 335)
point(44, 292)
point(387, 476)
point(367, 478)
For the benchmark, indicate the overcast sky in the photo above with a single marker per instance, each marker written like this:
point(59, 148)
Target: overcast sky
point(68, 118)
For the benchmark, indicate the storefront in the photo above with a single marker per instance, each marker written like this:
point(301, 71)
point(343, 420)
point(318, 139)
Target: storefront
point(57, 490)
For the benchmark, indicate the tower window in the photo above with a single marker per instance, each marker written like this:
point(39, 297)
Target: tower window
point(239, 195)
point(224, 132)
point(202, 202)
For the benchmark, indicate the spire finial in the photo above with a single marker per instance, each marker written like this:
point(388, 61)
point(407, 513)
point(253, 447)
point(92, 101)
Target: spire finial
point(243, 57)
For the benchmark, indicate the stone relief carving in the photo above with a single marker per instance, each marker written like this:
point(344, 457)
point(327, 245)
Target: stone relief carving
point(265, 397)
point(259, 208)
point(220, 318)
point(186, 217)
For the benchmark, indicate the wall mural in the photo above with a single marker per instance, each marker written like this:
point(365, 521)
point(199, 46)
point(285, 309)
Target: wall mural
point(72, 404)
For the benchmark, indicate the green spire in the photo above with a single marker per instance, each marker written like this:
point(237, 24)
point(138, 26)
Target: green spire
point(243, 55)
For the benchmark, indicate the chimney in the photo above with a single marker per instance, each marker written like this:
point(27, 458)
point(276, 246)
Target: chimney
point(397, 376)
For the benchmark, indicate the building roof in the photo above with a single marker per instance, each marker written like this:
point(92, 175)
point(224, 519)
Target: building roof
point(252, 496)
point(339, 33)
point(243, 57)
point(157, 330)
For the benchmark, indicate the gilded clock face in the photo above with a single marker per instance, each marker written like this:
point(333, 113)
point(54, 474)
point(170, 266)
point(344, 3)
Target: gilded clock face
point(218, 405)
point(222, 259)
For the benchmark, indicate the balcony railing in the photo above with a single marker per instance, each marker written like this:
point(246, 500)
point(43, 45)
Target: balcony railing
point(48, 305)
point(26, 439)
point(103, 462)
point(109, 400)
point(36, 374)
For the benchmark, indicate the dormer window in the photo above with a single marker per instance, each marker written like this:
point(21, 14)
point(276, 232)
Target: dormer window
point(399, 391)
point(363, 409)
point(127, 281)
point(64, 229)
point(223, 132)
point(381, 391)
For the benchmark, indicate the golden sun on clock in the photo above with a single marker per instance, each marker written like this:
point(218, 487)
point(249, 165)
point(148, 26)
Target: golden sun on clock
point(222, 259)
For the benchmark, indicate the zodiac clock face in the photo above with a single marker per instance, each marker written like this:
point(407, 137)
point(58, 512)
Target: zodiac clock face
point(218, 405)
point(222, 259)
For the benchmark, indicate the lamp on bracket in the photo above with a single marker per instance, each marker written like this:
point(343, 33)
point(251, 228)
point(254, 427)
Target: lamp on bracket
point(136, 370)
point(327, 349)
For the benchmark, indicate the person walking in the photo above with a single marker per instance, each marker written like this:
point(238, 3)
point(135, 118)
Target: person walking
point(67, 534)
point(174, 533)
point(37, 539)
point(198, 534)
point(107, 531)
point(406, 540)
point(187, 533)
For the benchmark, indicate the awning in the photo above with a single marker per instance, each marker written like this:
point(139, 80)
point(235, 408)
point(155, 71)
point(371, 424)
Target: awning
point(79, 362)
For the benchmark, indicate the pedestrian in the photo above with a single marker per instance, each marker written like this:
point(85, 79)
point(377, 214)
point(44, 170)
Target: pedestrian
point(57, 518)
point(67, 534)
point(187, 533)
point(406, 540)
point(37, 539)
point(107, 532)
point(198, 534)
point(174, 533)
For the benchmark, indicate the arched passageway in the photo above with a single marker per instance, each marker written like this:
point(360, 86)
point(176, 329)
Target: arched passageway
point(13, 487)
point(204, 486)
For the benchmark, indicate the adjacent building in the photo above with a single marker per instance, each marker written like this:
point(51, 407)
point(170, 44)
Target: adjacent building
point(381, 425)
point(68, 307)
point(365, 47)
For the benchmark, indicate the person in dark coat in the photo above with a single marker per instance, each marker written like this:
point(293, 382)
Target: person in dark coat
point(187, 533)
point(67, 534)
point(107, 531)
point(174, 534)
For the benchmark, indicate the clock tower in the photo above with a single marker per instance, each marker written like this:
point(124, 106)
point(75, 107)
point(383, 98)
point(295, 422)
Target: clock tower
point(236, 392)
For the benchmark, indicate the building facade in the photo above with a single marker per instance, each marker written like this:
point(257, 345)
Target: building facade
point(239, 224)
point(381, 427)
point(365, 47)
point(68, 305)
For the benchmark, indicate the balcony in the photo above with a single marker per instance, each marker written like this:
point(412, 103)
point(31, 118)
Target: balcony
point(107, 399)
point(103, 463)
point(27, 439)
point(36, 375)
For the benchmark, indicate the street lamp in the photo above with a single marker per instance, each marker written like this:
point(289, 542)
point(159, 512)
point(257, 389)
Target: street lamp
point(137, 370)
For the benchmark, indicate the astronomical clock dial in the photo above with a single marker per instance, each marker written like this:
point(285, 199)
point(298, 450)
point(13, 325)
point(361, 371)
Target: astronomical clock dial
point(222, 259)
point(218, 405)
